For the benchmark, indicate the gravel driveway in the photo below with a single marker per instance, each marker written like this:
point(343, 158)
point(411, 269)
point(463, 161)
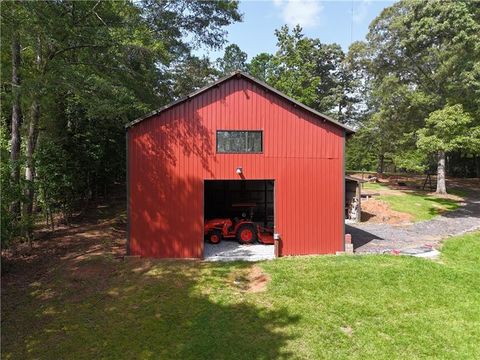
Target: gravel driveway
point(380, 238)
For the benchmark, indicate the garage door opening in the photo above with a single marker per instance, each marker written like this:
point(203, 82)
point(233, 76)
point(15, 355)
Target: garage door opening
point(239, 219)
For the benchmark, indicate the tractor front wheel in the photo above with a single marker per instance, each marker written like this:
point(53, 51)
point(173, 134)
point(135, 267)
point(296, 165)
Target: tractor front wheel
point(246, 234)
point(215, 237)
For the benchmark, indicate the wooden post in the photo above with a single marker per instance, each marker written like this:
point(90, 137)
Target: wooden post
point(359, 197)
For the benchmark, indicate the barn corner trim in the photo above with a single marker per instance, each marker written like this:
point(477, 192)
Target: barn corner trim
point(240, 74)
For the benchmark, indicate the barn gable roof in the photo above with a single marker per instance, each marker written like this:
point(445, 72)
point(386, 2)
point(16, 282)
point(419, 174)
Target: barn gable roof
point(240, 74)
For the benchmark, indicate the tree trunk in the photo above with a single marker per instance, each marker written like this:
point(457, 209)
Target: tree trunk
point(16, 123)
point(441, 187)
point(381, 163)
point(477, 166)
point(32, 144)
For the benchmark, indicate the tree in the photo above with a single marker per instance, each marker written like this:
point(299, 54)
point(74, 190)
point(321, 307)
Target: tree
point(448, 129)
point(294, 66)
point(32, 137)
point(419, 57)
point(311, 72)
point(233, 59)
point(362, 150)
point(88, 68)
point(191, 74)
point(9, 190)
point(16, 117)
point(260, 66)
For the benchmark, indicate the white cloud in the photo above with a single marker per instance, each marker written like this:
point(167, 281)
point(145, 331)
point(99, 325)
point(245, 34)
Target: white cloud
point(360, 12)
point(305, 13)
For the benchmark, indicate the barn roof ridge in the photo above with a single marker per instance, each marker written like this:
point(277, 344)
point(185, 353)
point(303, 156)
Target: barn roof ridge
point(239, 73)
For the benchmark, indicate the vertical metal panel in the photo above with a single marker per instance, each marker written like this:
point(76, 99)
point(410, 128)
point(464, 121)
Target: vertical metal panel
point(128, 194)
point(343, 190)
point(171, 154)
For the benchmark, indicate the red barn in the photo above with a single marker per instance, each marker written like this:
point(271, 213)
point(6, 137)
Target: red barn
point(237, 139)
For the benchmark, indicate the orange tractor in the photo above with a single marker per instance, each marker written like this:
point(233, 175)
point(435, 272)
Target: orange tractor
point(243, 229)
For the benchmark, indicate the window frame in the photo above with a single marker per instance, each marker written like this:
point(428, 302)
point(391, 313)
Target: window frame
point(239, 152)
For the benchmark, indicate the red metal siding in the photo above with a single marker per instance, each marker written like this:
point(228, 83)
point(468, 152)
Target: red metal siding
point(171, 154)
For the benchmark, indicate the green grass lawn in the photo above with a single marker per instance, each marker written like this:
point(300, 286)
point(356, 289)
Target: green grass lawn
point(374, 186)
point(418, 204)
point(369, 307)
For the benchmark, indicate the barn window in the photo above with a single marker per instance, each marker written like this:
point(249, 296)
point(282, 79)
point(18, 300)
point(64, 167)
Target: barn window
point(239, 141)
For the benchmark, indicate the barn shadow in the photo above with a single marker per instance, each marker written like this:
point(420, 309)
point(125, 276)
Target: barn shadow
point(167, 198)
point(360, 237)
point(169, 160)
point(203, 327)
point(150, 310)
point(469, 208)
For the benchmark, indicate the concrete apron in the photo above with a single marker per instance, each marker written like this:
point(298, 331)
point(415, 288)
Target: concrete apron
point(426, 252)
point(233, 251)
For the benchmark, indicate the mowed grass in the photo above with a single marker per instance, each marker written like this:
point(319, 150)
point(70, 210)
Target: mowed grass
point(358, 307)
point(374, 186)
point(421, 206)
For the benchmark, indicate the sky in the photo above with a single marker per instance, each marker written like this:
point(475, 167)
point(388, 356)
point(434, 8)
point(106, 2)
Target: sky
point(330, 21)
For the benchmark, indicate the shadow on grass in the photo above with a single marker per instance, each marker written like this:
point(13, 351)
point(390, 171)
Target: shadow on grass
point(448, 205)
point(452, 208)
point(148, 310)
point(421, 205)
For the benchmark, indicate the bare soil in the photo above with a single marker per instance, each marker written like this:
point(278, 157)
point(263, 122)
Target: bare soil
point(257, 280)
point(377, 211)
point(72, 248)
point(251, 279)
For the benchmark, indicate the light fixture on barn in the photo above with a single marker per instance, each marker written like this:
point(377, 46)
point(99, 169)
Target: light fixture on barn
point(239, 170)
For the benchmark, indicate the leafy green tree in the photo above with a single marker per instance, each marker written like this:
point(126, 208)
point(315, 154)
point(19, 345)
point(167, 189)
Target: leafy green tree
point(419, 57)
point(362, 150)
point(9, 190)
point(260, 66)
point(414, 160)
point(191, 74)
point(12, 16)
point(233, 59)
point(313, 73)
point(448, 129)
point(86, 69)
point(294, 66)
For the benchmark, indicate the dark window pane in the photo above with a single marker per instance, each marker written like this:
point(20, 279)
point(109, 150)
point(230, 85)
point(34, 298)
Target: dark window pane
point(239, 141)
point(254, 141)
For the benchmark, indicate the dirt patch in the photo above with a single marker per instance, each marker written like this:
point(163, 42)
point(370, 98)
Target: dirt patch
point(377, 211)
point(90, 270)
point(69, 251)
point(472, 184)
point(446, 196)
point(251, 280)
point(257, 280)
point(347, 330)
point(88, 277)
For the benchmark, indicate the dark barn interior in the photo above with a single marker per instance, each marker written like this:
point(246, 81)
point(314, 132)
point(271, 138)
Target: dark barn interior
point(231, 198)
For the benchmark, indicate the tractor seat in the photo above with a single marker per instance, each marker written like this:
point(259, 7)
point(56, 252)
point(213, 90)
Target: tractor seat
point(234, 222)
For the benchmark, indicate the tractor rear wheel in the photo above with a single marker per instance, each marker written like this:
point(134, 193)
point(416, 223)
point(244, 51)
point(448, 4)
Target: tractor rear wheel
point(246, 234)
point(215, 237)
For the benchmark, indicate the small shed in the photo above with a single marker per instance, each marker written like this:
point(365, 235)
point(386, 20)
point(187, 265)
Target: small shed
point(237, 140)
point(353, 198)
